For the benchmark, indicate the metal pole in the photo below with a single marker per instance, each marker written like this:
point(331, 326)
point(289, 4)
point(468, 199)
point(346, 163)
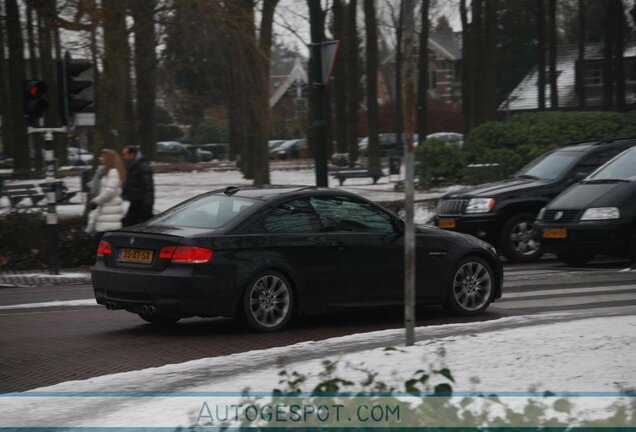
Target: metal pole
point(51, 195)
point(51, 199)
point(409, 127)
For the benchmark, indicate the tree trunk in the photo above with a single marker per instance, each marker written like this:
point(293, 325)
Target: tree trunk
point(552, 42)
point(422, 70)
point(399, 109)
point(619, 52)
point(145, 61)
point(466, 66)
point(16, 88)
point(5, 101)
point(340, 76)
point(114, 85)
point(353, 82)
point(608, 75)
point(372, 82)
point(34, 70)
point(477, 73)
point(541, 53)
point(262, 111)
point(580, 70)
point(489, 87)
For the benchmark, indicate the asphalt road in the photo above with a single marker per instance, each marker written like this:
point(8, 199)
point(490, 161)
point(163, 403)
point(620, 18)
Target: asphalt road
point(46, 345)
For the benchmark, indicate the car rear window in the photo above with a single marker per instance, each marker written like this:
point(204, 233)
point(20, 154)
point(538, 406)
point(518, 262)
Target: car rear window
point(207, 211)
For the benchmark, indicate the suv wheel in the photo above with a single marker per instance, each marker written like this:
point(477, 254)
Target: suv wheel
point(518, 240)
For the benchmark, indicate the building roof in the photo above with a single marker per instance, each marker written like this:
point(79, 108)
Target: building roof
point(279, 84)
point(525, 96)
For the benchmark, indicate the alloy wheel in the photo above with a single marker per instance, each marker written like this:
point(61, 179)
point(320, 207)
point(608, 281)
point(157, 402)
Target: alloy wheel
point(472, 286)
point(522, 238)
point(270, 302)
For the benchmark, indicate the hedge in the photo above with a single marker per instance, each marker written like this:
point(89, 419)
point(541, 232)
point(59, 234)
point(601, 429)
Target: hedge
point(522, 138)
point(23, 242)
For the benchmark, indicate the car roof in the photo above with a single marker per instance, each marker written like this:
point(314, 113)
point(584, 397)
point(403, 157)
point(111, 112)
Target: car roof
point(584, 146)
point(272, 192)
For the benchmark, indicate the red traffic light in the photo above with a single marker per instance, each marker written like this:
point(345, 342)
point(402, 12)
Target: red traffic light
point(35, 89)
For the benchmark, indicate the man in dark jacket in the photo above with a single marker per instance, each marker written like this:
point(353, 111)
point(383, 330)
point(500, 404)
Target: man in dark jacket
point(138, 188)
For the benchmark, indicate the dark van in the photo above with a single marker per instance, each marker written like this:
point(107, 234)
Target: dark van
point(503, 213)
point(596, 216)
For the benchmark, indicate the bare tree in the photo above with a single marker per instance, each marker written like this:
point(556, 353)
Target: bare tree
point(340, 76)
point(145, 61)
point(372, 82)
point(541, 44)
point(422, 68)
point(619, 53)
point(354, 80)
point(16, 75)
point(580, 69)
point(4, 90)
point(552, 55)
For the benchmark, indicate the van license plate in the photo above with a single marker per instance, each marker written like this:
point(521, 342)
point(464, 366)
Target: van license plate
point(556, 233)
point(142, 256)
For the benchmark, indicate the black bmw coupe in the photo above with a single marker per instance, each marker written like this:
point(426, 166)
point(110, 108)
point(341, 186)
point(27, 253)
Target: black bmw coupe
point(265, 254)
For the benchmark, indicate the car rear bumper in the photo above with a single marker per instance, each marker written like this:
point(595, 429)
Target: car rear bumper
point(602, 237)
point(484, 227)
point(177, 290)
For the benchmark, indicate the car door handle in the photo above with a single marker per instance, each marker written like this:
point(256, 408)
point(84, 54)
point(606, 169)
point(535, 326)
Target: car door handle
point(437, 253)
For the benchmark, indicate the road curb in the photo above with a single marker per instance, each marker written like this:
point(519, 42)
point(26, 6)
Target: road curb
point(31, 278)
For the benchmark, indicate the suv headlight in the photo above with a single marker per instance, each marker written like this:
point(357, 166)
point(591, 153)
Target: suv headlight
point(601, 213)
point(480, 205)
point(541, 213)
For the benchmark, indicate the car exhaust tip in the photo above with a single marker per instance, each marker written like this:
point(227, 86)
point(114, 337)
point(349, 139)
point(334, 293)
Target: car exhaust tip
point(151, 310)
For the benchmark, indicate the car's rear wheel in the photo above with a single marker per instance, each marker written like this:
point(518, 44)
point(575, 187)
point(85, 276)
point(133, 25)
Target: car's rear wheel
point(472, 287)
point(268, 302)
point(575, 259)
point(518, 239)
point(159, 319)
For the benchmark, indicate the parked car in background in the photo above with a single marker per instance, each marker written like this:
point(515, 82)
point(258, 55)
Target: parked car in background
point(266, 254)
point(291, 149)
point(503, 213)
point(448, 136)
point(197, 154)
point(219, 150)
point(173, 150)
point(272, 144)
point(595, 216)
point(387, 142)
point(79, 156)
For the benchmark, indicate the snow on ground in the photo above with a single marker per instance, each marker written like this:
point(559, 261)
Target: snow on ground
point(591, 357)
point(172, 188)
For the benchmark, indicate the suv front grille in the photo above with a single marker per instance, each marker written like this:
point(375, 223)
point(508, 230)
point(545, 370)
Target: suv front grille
point(564, 215)
point(453, 206)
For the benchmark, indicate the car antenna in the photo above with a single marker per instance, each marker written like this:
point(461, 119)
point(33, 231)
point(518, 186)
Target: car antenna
point(231, 190)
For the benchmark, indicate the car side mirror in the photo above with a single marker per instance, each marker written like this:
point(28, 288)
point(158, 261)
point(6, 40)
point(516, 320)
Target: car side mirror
point(577, 177)
point(399, 226)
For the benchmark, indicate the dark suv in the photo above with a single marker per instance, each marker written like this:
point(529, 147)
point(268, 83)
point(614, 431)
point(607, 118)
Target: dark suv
point(503, 213)
point(596, 216)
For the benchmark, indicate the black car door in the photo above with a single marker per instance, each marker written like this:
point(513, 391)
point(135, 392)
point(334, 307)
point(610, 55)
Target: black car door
point(364, 240)
point(297, 244)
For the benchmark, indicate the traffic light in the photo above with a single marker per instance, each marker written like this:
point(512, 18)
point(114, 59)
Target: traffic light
point(70, 87)
point(34, 102)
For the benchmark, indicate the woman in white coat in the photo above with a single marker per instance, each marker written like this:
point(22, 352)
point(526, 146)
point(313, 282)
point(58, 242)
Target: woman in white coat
point(108, 203)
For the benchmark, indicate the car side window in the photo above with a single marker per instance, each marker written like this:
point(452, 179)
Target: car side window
point(295, 216)
point(341, 214)
point(590, 162)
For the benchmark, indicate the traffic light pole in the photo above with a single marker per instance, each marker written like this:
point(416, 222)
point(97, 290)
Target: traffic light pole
point(51, 195)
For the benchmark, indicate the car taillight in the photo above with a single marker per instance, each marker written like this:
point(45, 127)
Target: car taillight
point(186, 254)
point(104, 248)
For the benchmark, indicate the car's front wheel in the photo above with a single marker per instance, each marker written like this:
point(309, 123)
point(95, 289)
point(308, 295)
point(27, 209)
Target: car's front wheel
point(472, 286)
point(268, 302)
point(518, 239)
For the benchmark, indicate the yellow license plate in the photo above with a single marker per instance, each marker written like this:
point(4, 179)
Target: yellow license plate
point(557, 233)
point(143, 256)
point(446, 223)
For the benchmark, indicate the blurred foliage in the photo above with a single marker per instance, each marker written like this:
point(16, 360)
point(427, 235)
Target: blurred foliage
point(514, 143)
point(211, 131)
point(23, 241)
